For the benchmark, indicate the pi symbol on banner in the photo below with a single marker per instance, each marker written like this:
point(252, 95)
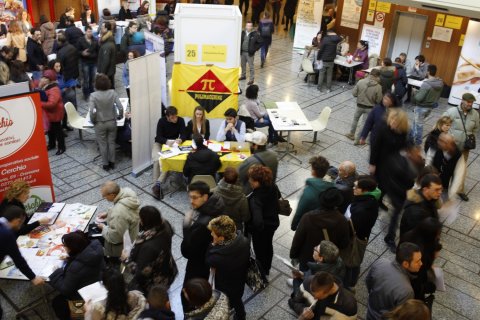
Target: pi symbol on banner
point(209, 91)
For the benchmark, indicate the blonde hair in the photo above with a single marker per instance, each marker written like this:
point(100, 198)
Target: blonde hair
point(194, 120)
point(442, 121)
point(16, 188)
point(223, 226)
point(401, 117)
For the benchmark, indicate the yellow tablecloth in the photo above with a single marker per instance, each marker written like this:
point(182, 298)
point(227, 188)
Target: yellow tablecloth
point(176, 163)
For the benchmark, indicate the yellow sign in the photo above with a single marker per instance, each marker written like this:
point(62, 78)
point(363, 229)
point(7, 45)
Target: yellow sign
point(372, 5)
point(453, 22)
point(384, 6)
point(370, 15)
point(214, 88)
point(440, 20)
point(191, 52)
point(462, 39)
point(214, 53)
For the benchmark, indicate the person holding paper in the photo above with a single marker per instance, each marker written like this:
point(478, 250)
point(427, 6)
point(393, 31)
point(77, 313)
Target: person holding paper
point(84, 266)
point(231, 129)
point(170, 129)
point(16, 195)
point(11, 221)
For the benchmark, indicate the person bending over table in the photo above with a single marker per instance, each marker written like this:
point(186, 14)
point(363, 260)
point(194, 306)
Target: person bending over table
point(231, 129)
point(170, 129)
point(10, 223)
point(16, 195)
point(84, 266)
point(198, 124)
point(201, 161)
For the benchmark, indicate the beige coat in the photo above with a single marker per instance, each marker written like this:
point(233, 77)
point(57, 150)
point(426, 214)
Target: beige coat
point(19, 41)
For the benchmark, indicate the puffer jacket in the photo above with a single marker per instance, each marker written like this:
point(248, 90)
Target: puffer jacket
point(107, 55)
point(387, 78)
point(54, 105)
point(416, 209)
point(471, 121)
point(121, 217)
point(236, 202)
point(48, 37)
point(429, 93)
point(84, 269)
point(401, 81)
point(368, 91)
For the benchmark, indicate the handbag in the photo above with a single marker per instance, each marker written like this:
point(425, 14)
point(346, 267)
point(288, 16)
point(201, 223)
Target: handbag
point(256, 279)
point(470, 142)
point(353, 254)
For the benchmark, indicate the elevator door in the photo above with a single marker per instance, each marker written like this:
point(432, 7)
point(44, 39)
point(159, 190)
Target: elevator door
point(409, 30)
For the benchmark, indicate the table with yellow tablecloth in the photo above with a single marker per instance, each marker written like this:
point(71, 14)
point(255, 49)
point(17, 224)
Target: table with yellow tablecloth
point(228, 159)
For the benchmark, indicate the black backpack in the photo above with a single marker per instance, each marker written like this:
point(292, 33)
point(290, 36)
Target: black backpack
point(266, 30)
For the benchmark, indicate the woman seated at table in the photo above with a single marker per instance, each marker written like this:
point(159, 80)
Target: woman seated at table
point(231, 129)
point(361, 55)
point(201, 161)
point(84, 266)
point(199, 124)
point(104, 118)
point(259, 115)
point(16, 195)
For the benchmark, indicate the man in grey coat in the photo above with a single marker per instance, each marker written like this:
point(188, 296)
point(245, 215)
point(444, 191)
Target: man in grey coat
point(465, 121)
point(388, 282)
point(122, 217)
point(368, 92)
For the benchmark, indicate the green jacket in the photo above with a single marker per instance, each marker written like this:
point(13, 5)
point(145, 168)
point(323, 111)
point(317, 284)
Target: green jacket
point(310, 199)
point(429, 93)
point(368, 91)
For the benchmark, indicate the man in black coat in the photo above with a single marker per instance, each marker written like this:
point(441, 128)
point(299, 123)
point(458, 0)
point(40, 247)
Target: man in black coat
point(72, 32)
point(35, 55)
point(421, 203)
point(327, 54)
point(68, 57)
point(445, 158)
point(107, 55)
point(196, 236)
point(202, 161)
point(251, 42)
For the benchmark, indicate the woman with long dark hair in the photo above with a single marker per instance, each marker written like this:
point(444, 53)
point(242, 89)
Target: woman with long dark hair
point(151, 262)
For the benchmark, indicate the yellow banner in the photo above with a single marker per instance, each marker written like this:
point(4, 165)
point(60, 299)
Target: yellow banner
point(211, 87)
point(453, 22)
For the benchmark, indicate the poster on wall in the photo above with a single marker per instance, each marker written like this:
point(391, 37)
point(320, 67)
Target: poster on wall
point(374, 36)
point(351, 12)
point(211, 87)
point(23, 152)
point(467, 74)
point(309, 20)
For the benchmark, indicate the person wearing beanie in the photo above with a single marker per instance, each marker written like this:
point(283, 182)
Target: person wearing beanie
point(324, 223)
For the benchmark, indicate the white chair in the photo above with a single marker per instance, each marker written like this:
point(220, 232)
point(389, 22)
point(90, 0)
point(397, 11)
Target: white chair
point(308, 68)
point(320, 124)
point(76, 121)
point(208, 179)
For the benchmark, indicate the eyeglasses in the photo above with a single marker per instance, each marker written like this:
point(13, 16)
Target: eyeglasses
point(193, 197)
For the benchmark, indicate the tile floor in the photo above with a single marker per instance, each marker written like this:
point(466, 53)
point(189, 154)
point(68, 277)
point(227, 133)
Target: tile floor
point(77, 177)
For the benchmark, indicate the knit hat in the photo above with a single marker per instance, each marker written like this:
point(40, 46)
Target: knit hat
point(331, 198)
point(257, 137)
point(50, 75)
point(468, 97)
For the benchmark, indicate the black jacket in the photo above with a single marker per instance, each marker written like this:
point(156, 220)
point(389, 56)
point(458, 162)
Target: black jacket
point(35, 55)
point(92, 48)
point(364, 214)
point(328, 47)
point(446, 167)
point(84, 269)
point(73, 34)
point(107, 55)
point(401, 81)
point(415, 210)
point(151, 258)
point(309, 233)
point(201, 162)
point(432, 140)
point(230, 262)
point(25, 228)
point(156, 314)
point(263, 203)
point(124, 14)
point(254, 42)
point(197, 238)
point(170, 131)
point(189, 130)
point(84, 19)
point(68, 57)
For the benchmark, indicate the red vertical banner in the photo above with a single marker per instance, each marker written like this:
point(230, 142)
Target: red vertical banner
point(23, 152)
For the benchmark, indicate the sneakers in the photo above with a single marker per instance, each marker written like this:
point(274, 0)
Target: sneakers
point(250, 82)
point(463, 196)
point(290, 282)
point(350, 136)
point(242, 78)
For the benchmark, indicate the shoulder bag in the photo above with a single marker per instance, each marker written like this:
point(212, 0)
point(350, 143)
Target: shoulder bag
point(353, 254)
point(470, 142)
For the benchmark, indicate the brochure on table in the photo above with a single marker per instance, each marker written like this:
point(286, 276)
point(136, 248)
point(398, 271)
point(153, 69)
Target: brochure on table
point(42, 248)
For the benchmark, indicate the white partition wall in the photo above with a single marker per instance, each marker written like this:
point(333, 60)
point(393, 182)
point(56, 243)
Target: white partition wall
point(208, 34)
point(147, 92)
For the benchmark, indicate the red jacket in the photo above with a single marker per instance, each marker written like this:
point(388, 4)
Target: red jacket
point(54, 106)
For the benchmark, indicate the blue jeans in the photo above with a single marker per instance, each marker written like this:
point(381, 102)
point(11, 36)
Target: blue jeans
point(420, 113)
point(272, 134)
point(264, 50)
point(89, 70)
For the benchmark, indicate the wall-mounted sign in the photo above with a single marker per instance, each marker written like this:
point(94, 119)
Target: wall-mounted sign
point(453, 22)
point(384, 6)
point(370, 15)
point(440, 20)
point(442, 34)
